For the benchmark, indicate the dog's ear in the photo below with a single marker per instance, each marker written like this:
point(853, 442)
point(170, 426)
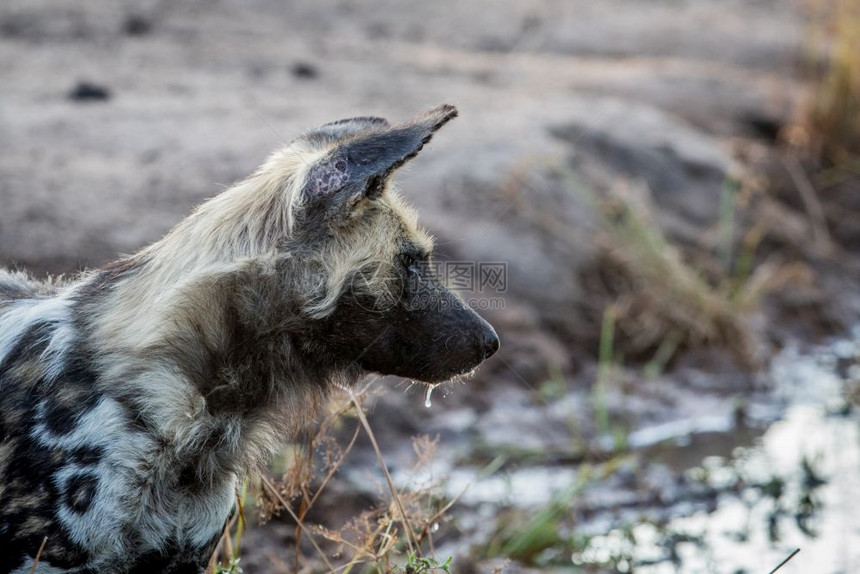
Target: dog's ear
point(334, 131)
point(364, 152)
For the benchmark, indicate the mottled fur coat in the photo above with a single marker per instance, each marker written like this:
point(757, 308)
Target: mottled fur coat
point(133, 398)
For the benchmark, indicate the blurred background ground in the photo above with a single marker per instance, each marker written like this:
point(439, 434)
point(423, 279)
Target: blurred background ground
point(672, 188)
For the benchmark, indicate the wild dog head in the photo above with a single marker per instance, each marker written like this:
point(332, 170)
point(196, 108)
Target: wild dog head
point(135, 397)
point(378, 306)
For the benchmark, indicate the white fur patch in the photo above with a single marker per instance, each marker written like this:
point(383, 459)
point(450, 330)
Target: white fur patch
point(128, 496)
point(53, 358)
point(41, 568)
point(24, 313)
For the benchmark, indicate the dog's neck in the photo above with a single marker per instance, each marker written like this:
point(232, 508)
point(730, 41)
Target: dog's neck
point(200, 303)
point(220, 386)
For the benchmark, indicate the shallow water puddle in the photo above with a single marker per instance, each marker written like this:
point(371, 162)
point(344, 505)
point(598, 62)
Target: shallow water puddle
point(797, 490)
point(795, 487)
point(703, 494)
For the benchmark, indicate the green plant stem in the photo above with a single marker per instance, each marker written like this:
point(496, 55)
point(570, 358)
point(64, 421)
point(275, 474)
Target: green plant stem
point(604, 369)
point(728, 202)
point(240, 525)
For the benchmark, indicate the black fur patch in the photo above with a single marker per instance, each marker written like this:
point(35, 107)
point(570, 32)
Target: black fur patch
point(73, 395)
point(86, 455)
point(31, 344)
point(28, 506)
point(174, 559)
point(30, 494)
point(80, 492)
point(59, 419)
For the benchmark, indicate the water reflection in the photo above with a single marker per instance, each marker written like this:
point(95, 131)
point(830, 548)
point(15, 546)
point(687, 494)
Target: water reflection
point(795, 486)
point(730, 493)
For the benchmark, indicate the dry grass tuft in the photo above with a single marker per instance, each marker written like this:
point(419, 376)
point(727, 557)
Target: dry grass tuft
point(833, 111)
point(661, 298)
point(391, 537)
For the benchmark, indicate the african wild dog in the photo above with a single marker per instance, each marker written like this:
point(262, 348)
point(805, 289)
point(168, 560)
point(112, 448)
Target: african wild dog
point(133, 398)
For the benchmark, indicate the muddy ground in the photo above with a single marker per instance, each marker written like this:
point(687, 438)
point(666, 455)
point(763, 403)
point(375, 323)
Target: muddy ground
point(117, 118)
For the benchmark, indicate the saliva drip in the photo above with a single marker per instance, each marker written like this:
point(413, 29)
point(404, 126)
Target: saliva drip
point(428, 392)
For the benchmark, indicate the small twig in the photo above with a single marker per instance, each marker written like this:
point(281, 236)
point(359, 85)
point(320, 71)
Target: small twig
point(219, 550)
point(210, 568)
point(268, 125)
point(410, 538)
point(441, 512)
point(347, 567)
point(309, 501)
point(821, 235)
point(784, 562)
point(229, 543)
point(241, 516)
point(287, 507)
point(335, 467)
point(39, 554)
point(279, 565)
point(303, 508)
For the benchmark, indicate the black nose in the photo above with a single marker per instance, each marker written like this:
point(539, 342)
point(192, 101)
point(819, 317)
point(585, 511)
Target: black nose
point(491, 342)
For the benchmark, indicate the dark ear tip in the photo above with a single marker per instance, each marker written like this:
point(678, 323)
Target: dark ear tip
point(448, 110)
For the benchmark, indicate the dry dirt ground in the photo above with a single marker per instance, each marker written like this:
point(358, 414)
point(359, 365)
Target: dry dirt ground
point(200, 92)
point(116, 118)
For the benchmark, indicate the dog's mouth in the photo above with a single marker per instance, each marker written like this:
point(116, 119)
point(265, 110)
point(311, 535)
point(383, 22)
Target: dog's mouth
point(434, 380)
point(442, 359)
point(461, 377)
